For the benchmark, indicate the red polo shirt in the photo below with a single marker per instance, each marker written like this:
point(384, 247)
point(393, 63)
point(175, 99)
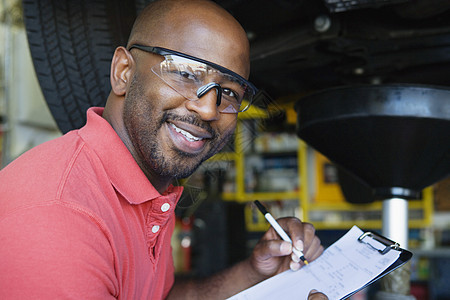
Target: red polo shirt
point(79, 220)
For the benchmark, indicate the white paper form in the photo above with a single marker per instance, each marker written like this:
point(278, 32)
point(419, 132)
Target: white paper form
point(343, 268)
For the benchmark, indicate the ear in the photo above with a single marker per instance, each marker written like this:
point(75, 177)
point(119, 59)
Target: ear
point(121, 70)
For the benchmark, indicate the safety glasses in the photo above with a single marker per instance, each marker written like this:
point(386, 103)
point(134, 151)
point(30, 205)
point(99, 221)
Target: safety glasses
point(193, 77)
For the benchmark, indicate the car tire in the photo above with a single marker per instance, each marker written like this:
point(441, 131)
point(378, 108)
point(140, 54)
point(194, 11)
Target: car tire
point(71, 44)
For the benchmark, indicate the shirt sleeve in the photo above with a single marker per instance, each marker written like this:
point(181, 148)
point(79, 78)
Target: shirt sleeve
point(54, 251)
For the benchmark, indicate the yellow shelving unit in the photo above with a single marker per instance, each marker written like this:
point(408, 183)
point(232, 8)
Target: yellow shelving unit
point(240, 195)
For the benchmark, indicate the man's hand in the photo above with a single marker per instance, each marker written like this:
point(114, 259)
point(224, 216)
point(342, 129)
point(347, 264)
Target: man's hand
point(272, 255)
point(315, 295)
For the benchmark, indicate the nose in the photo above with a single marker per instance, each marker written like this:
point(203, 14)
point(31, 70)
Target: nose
point(206, 106)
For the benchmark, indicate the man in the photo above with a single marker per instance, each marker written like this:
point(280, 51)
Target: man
point(90, 215)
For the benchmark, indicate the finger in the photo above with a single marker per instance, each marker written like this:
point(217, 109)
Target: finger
point(294, 266)
point(271, 234)
point(293, 227)
point(316, 254)
point(315, 295)
point(271, 257)
point(308, 235)
point(306, 231)
point(296, 259)
point(302, 234)
point(315, 249)
point(299, 245)
point(273, 248)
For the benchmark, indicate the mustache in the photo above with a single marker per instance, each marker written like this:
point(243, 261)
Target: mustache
point(189, 119)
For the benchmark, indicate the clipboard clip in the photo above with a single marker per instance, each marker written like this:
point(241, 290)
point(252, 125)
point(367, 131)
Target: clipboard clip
point(389, 244)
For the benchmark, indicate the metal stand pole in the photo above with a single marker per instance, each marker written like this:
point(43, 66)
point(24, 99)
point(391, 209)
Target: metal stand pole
point(396, 285)
point(395, 220)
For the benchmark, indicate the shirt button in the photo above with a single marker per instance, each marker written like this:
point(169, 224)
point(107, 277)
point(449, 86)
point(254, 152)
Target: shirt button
point(155, 228)
point(165, 207)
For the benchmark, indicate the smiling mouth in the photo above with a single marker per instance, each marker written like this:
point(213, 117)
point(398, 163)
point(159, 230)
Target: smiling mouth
point(187, 135)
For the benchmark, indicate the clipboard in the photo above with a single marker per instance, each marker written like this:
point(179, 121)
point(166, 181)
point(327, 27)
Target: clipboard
point(350, 264)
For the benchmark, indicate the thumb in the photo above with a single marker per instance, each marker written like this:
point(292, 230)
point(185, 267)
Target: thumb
point(316, 295)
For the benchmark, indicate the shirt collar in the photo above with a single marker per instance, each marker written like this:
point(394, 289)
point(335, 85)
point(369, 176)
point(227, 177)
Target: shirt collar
point(123, 171)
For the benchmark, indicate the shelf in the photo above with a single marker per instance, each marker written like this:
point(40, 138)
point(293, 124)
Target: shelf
point(435, 252)
point(275, 153)
point(224, 156)
point(425, 206)
point(345, 206)
point(269, 196)
point(366, 224)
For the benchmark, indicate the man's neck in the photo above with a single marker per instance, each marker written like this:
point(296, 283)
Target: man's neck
point(160, 183)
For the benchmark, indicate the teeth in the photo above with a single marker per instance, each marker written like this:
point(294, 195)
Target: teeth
point(186, 134)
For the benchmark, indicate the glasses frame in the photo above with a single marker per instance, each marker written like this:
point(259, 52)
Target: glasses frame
point(164, 51)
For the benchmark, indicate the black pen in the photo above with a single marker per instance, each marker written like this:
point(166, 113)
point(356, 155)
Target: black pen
point(279, 230)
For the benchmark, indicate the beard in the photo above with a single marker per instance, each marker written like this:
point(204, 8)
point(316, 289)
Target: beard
point(143, 120)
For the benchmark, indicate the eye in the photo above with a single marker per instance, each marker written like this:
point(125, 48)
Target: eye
point(187, 75)
point(230, 94)
point(186, 72)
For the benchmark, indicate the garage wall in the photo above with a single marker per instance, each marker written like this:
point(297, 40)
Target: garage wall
point(27, 121)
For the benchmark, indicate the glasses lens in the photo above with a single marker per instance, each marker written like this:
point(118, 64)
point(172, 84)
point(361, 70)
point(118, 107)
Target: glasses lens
point(186, 76)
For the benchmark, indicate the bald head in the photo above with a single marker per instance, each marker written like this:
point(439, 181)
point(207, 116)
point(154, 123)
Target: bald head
point(199, 28)
point(150, 115)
